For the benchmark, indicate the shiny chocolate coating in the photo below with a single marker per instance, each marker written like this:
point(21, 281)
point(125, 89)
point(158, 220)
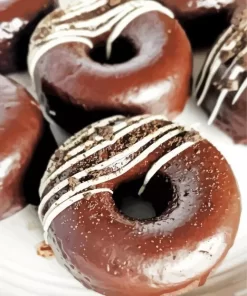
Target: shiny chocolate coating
point(78, 90)
point(203, 20)
point(195, 8)
point(221, 88)
point(114, 254)
point(18, 19)
point(232, 119)
point(22, 132)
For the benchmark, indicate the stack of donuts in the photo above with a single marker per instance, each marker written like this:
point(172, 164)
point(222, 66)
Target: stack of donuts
point(112, 75)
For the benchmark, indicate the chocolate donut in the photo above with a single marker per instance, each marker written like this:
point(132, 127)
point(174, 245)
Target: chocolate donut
point(221, 88)
point(148, 69)
point(21, 129)
point(191, 186)
point(203, 20)
point(18, 19)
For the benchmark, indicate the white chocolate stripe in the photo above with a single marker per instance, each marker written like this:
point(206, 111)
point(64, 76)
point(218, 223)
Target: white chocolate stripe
point(216, 63)
point(89, 130)
point(101, 19)
point(130, 17)
point(235, 61)
point(80, 9)
point(102, 145)
point(240, 91)
point(214, 68)
point(236, 71)
point(36, 54)
point(67, 204)
point(162, 161)
point(74, 6)
point(116, 128)
point(211, 56)
point(106, 163)
point(90, 33)
point(114, 175)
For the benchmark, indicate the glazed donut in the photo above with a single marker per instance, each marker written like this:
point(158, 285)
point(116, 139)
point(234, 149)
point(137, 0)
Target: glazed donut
point(192, 188)
point(21, 129)
point(203, 20)
point(148, 70)
point(221, 88)
point(18, 19)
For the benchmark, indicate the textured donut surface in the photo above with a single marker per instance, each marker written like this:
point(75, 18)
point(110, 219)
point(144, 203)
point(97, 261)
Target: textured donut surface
point(117, 255)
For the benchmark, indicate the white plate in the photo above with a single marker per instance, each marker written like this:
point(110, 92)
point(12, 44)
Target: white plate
point(24, 273)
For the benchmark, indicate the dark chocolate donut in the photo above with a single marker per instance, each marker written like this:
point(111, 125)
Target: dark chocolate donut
point(148, 71)
point(193, 189)
point(22, 132)
point(203, 20)
point(221, 88)
point(18, 19)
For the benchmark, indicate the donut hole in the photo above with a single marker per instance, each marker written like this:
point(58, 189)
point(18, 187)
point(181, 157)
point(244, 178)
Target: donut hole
point(123, 50)
point(153, 202)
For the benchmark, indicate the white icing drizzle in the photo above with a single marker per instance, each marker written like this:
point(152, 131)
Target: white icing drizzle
point(234, 74)
point(82, 7)
point(227, 43)
point(210, 58)
point(240, 91)
point(234, 66)
point(162, 135)
point(72, 26)
point(161, 162)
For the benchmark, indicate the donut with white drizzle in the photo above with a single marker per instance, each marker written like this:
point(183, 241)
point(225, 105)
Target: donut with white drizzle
point(221, 88)
point(99, 58)
point(203, 20)
point(197, 206)
point(18, 19)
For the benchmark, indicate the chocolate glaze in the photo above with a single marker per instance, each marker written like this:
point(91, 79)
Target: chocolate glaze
point(232, 119)
point(203, 20)
point(79, 90)
point(21, 128)
point(116, 255)
point(232, 113)
point(18, 19)
point(196, 8)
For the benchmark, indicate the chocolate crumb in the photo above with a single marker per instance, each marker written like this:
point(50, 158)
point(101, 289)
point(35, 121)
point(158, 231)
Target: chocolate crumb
point(44, 250)
point(87, 196)
point(205, 252)
point(105, 132)
point(73, 182)
point(231, 85)
point(193, 136)
point(59, 156)
point(226, 55)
